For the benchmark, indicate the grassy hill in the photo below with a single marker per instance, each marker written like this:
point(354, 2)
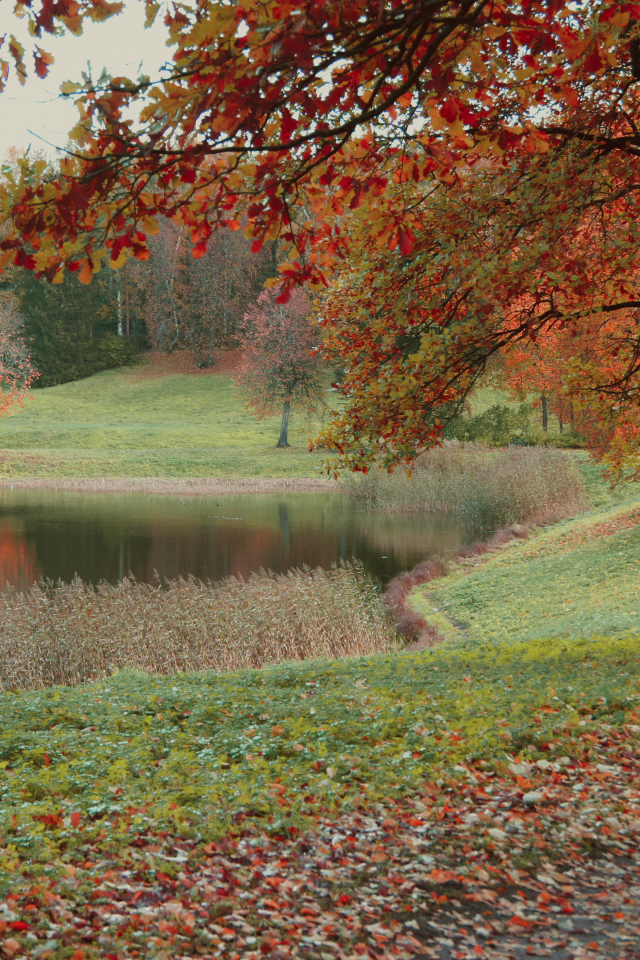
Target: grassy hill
point(131, 422)
point(160, 420)
point(575, 579)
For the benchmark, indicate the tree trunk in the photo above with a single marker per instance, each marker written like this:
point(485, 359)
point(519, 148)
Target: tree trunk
point(284, 427)
point(545, 415)
point(126, 299)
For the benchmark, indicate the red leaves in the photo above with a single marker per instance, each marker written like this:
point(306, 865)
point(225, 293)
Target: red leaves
point(23, 259)
point(594, 63)
point(49, 819)
point(288, 125)
point(405, 241)
point(43, 61)
point(141, 252)
point(284, 294)
point(422, 886)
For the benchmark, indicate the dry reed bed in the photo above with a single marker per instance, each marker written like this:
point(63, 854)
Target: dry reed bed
point(206, 487)
point(489, 487)
point(74, 633)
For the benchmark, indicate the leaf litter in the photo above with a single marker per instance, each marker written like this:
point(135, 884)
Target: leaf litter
point(468, 868)
point(480, 853)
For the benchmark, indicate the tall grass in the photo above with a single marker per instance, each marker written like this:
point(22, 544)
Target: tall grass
point(486, 487)
point(74, 633)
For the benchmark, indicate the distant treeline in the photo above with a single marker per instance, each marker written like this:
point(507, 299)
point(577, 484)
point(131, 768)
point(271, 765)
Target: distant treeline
point(170, 302)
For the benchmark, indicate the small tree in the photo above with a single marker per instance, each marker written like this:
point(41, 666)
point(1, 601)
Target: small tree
point(16, 370)
point(280, 366)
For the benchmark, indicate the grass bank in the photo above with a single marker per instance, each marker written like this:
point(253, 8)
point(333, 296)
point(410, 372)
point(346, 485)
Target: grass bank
point(576, 579)
point(131, 423)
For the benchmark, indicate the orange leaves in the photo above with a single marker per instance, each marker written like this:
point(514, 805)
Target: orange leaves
point(43, 61)
point(85, 274)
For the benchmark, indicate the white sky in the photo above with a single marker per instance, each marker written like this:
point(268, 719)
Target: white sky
point(120, 44)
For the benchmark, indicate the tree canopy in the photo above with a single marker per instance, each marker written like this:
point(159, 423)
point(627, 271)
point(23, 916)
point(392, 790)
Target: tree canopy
point(451, 177)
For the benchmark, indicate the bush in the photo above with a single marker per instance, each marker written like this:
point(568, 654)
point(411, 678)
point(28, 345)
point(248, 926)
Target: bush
point(498, 426)
point(73, 633)
point(488, 488)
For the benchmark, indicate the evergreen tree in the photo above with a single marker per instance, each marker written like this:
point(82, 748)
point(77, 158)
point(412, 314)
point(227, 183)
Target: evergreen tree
point(75, 330)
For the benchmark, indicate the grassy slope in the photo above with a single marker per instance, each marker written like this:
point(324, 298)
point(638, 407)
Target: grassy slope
point(122, 423)
point(334, 732)
point(575, 579)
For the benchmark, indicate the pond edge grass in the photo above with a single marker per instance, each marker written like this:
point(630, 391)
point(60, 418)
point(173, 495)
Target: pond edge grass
point(188, 487)
point(421, 631)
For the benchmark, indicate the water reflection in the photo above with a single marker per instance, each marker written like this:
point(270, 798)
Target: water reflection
point(18, 561)
point(54, 534)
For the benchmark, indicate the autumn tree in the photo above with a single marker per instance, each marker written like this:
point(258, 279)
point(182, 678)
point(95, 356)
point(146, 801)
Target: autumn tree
point(452, 154)
point(281, 366)
point(198, 304)
point(17, 372)
point(573, 368)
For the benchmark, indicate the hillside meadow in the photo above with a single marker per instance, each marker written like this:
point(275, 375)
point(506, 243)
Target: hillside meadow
point(162, 419)
point(149, 422)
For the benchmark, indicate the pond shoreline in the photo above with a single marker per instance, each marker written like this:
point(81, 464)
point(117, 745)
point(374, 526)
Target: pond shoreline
point(190, 487)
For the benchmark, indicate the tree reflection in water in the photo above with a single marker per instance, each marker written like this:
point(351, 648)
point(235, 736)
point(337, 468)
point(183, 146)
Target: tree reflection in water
point(18, 561)
point(56, 534)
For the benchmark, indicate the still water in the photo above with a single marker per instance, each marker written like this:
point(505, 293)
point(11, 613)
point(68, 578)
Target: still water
point(55, 534)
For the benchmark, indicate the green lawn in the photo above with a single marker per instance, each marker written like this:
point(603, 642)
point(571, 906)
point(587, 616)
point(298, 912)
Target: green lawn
point(575, 579)
point(335, 733)
point(126, 423)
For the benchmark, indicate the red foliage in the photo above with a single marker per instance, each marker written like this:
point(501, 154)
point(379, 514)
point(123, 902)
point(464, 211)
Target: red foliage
point(463, 176)
point(281, 364)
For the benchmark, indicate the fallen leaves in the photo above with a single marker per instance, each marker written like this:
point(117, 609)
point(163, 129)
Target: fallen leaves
point(378, 881)
point(385, 836)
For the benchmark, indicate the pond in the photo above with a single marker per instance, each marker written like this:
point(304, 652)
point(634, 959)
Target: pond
point(105, 536)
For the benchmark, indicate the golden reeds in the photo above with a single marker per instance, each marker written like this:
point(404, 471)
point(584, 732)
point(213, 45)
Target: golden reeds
point(74, 633)
point(485, 486)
